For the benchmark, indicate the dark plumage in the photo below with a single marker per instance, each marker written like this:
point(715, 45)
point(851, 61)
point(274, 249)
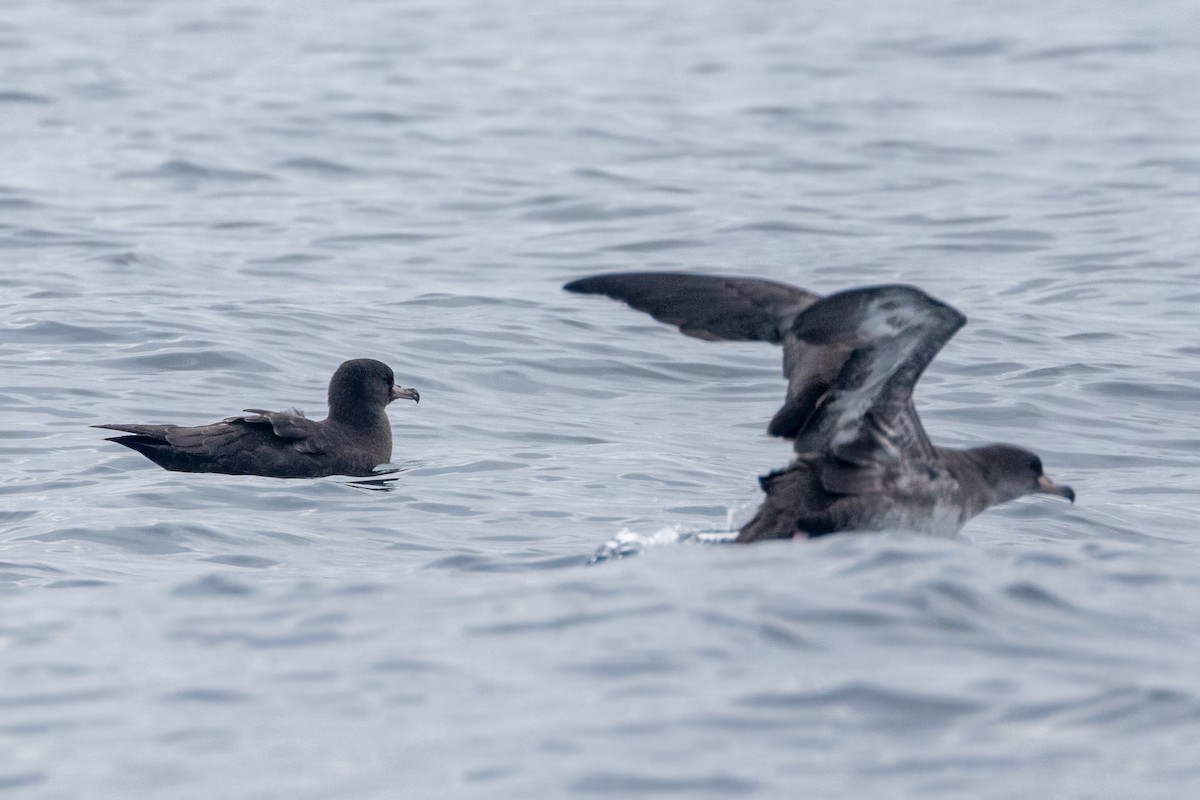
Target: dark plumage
point(354, 439)
point(863, 460)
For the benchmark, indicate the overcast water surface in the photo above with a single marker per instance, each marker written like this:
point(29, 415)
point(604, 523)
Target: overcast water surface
point(206, 207)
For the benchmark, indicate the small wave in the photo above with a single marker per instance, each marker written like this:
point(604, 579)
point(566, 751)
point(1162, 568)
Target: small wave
point(27, 98)
point(654, 245)
point(190, 360)
point(318, 166)
point(626, 783)
point(180, 169)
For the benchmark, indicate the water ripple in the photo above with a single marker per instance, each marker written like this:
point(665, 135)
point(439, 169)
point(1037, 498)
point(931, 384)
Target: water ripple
point(211, 207)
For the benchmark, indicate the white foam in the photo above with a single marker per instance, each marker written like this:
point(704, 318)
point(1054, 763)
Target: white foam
point(630, 543)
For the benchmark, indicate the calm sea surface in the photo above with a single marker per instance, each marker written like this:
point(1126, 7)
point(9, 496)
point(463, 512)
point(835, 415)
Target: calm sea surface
point(207, 206)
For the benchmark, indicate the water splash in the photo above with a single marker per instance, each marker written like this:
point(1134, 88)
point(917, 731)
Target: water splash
point(630, 543)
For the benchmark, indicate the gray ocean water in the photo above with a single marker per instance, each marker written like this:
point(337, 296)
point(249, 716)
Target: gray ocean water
point(207, 206)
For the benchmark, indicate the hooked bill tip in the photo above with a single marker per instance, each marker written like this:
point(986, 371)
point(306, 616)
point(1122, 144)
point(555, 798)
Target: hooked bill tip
point(401, 393)
point(1047, 486)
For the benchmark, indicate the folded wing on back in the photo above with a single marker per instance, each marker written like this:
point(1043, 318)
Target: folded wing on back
point(298, 430)
point(257, 443)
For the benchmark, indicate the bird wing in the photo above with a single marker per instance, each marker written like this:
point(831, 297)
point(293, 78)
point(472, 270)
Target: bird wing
point(716, 307)
point(298, 430)
point(866, 421)
point(709, 307)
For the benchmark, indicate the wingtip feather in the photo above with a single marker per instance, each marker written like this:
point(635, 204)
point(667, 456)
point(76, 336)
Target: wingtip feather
point(858, 316)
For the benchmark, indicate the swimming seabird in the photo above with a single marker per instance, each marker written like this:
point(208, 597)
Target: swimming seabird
point(354, 439)
point(863, 460)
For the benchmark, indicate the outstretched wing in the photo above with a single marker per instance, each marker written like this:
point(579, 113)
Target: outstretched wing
point(717, 307)
point(866, 421)
point(712, 307)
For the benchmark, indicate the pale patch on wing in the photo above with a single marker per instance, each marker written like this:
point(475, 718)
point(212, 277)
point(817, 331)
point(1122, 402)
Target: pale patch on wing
point(867, 420)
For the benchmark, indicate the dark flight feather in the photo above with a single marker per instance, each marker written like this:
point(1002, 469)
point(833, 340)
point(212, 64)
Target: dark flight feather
point(863, 460)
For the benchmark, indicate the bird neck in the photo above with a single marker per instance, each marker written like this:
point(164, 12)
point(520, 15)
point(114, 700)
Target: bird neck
point(355, 415)
point(977, 488)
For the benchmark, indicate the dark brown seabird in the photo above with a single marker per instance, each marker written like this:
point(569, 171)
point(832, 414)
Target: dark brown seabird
point(863, 460)
point(353, 440)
